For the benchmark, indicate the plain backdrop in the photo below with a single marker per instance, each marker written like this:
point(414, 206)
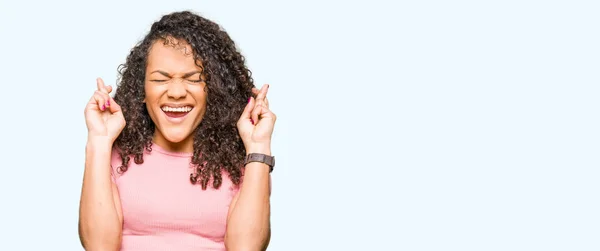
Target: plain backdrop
point(403, 125)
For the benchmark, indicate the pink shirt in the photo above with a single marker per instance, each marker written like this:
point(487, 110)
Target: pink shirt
point(162, 210)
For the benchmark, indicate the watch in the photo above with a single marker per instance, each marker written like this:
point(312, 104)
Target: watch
point(262, 158)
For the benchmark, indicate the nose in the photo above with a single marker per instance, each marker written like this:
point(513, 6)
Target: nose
point(176, 89)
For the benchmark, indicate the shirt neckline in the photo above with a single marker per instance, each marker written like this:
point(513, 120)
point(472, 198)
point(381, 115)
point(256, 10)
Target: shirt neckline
point(156, 147)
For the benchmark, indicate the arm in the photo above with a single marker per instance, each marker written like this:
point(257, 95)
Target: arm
point(248, 221)
point(100, 216)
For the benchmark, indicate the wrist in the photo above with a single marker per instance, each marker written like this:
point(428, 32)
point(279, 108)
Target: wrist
point(99, 144)
point(265, 152)
point(264, 149)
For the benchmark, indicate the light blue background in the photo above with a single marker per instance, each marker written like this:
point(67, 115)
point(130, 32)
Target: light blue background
point(403, 125)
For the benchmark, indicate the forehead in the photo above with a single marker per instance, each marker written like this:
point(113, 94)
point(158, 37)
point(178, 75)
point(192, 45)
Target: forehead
point(172, 55)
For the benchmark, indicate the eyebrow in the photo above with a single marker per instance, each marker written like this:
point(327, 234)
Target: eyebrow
point(187, 75)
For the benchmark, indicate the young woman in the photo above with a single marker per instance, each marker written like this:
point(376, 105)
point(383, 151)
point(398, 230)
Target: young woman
point(180, 159)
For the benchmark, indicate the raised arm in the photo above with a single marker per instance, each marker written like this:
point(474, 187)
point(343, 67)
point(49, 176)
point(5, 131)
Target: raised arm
point(248, 221)
point(100, 215)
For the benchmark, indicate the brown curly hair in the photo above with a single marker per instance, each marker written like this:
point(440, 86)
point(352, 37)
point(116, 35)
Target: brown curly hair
point(217, 144)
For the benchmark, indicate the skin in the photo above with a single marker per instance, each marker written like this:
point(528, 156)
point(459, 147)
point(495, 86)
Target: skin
point(173, 77)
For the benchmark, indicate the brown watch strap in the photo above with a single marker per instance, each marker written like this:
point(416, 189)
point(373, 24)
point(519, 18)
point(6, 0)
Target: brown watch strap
point(262, 158)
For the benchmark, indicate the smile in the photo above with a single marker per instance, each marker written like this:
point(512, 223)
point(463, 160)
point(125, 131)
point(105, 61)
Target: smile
point(176, 111)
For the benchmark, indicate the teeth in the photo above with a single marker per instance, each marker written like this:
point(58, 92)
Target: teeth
point(176, 109)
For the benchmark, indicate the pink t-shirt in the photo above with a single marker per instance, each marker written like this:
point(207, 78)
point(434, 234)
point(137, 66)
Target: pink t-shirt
point(162, 210)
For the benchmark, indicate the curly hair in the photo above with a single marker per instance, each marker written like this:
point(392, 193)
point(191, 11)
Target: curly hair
point(217, 144)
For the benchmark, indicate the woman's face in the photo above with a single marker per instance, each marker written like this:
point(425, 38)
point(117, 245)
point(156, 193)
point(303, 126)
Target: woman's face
point(175, 94)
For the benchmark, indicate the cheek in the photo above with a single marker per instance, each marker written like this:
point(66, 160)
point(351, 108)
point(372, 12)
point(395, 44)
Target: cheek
point(200, 96)
point(151, 94)
point(151, 97)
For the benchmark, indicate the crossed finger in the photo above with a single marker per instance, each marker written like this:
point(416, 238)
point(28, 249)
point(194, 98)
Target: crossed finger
point(261, 100)
point(101, 95)
point(255, 92)
point(102, 87)
point(261, 103)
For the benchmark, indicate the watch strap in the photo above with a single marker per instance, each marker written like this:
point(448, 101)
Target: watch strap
point(262, 158)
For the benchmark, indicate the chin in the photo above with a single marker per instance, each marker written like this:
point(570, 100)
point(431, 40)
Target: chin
point(176, 135)
point(175, 138)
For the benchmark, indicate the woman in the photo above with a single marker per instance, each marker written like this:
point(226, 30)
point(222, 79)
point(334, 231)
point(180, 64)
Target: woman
point(180, 159)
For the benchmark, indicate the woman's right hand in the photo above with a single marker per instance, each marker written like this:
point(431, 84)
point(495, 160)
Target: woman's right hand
point(103, 116)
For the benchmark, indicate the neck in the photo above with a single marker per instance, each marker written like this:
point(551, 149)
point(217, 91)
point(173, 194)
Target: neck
point(184, 146)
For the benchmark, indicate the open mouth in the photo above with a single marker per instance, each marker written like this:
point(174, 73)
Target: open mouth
point(176, 112)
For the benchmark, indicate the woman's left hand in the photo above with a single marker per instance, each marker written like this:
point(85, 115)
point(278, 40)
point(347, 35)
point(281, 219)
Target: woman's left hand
point(256, 123)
